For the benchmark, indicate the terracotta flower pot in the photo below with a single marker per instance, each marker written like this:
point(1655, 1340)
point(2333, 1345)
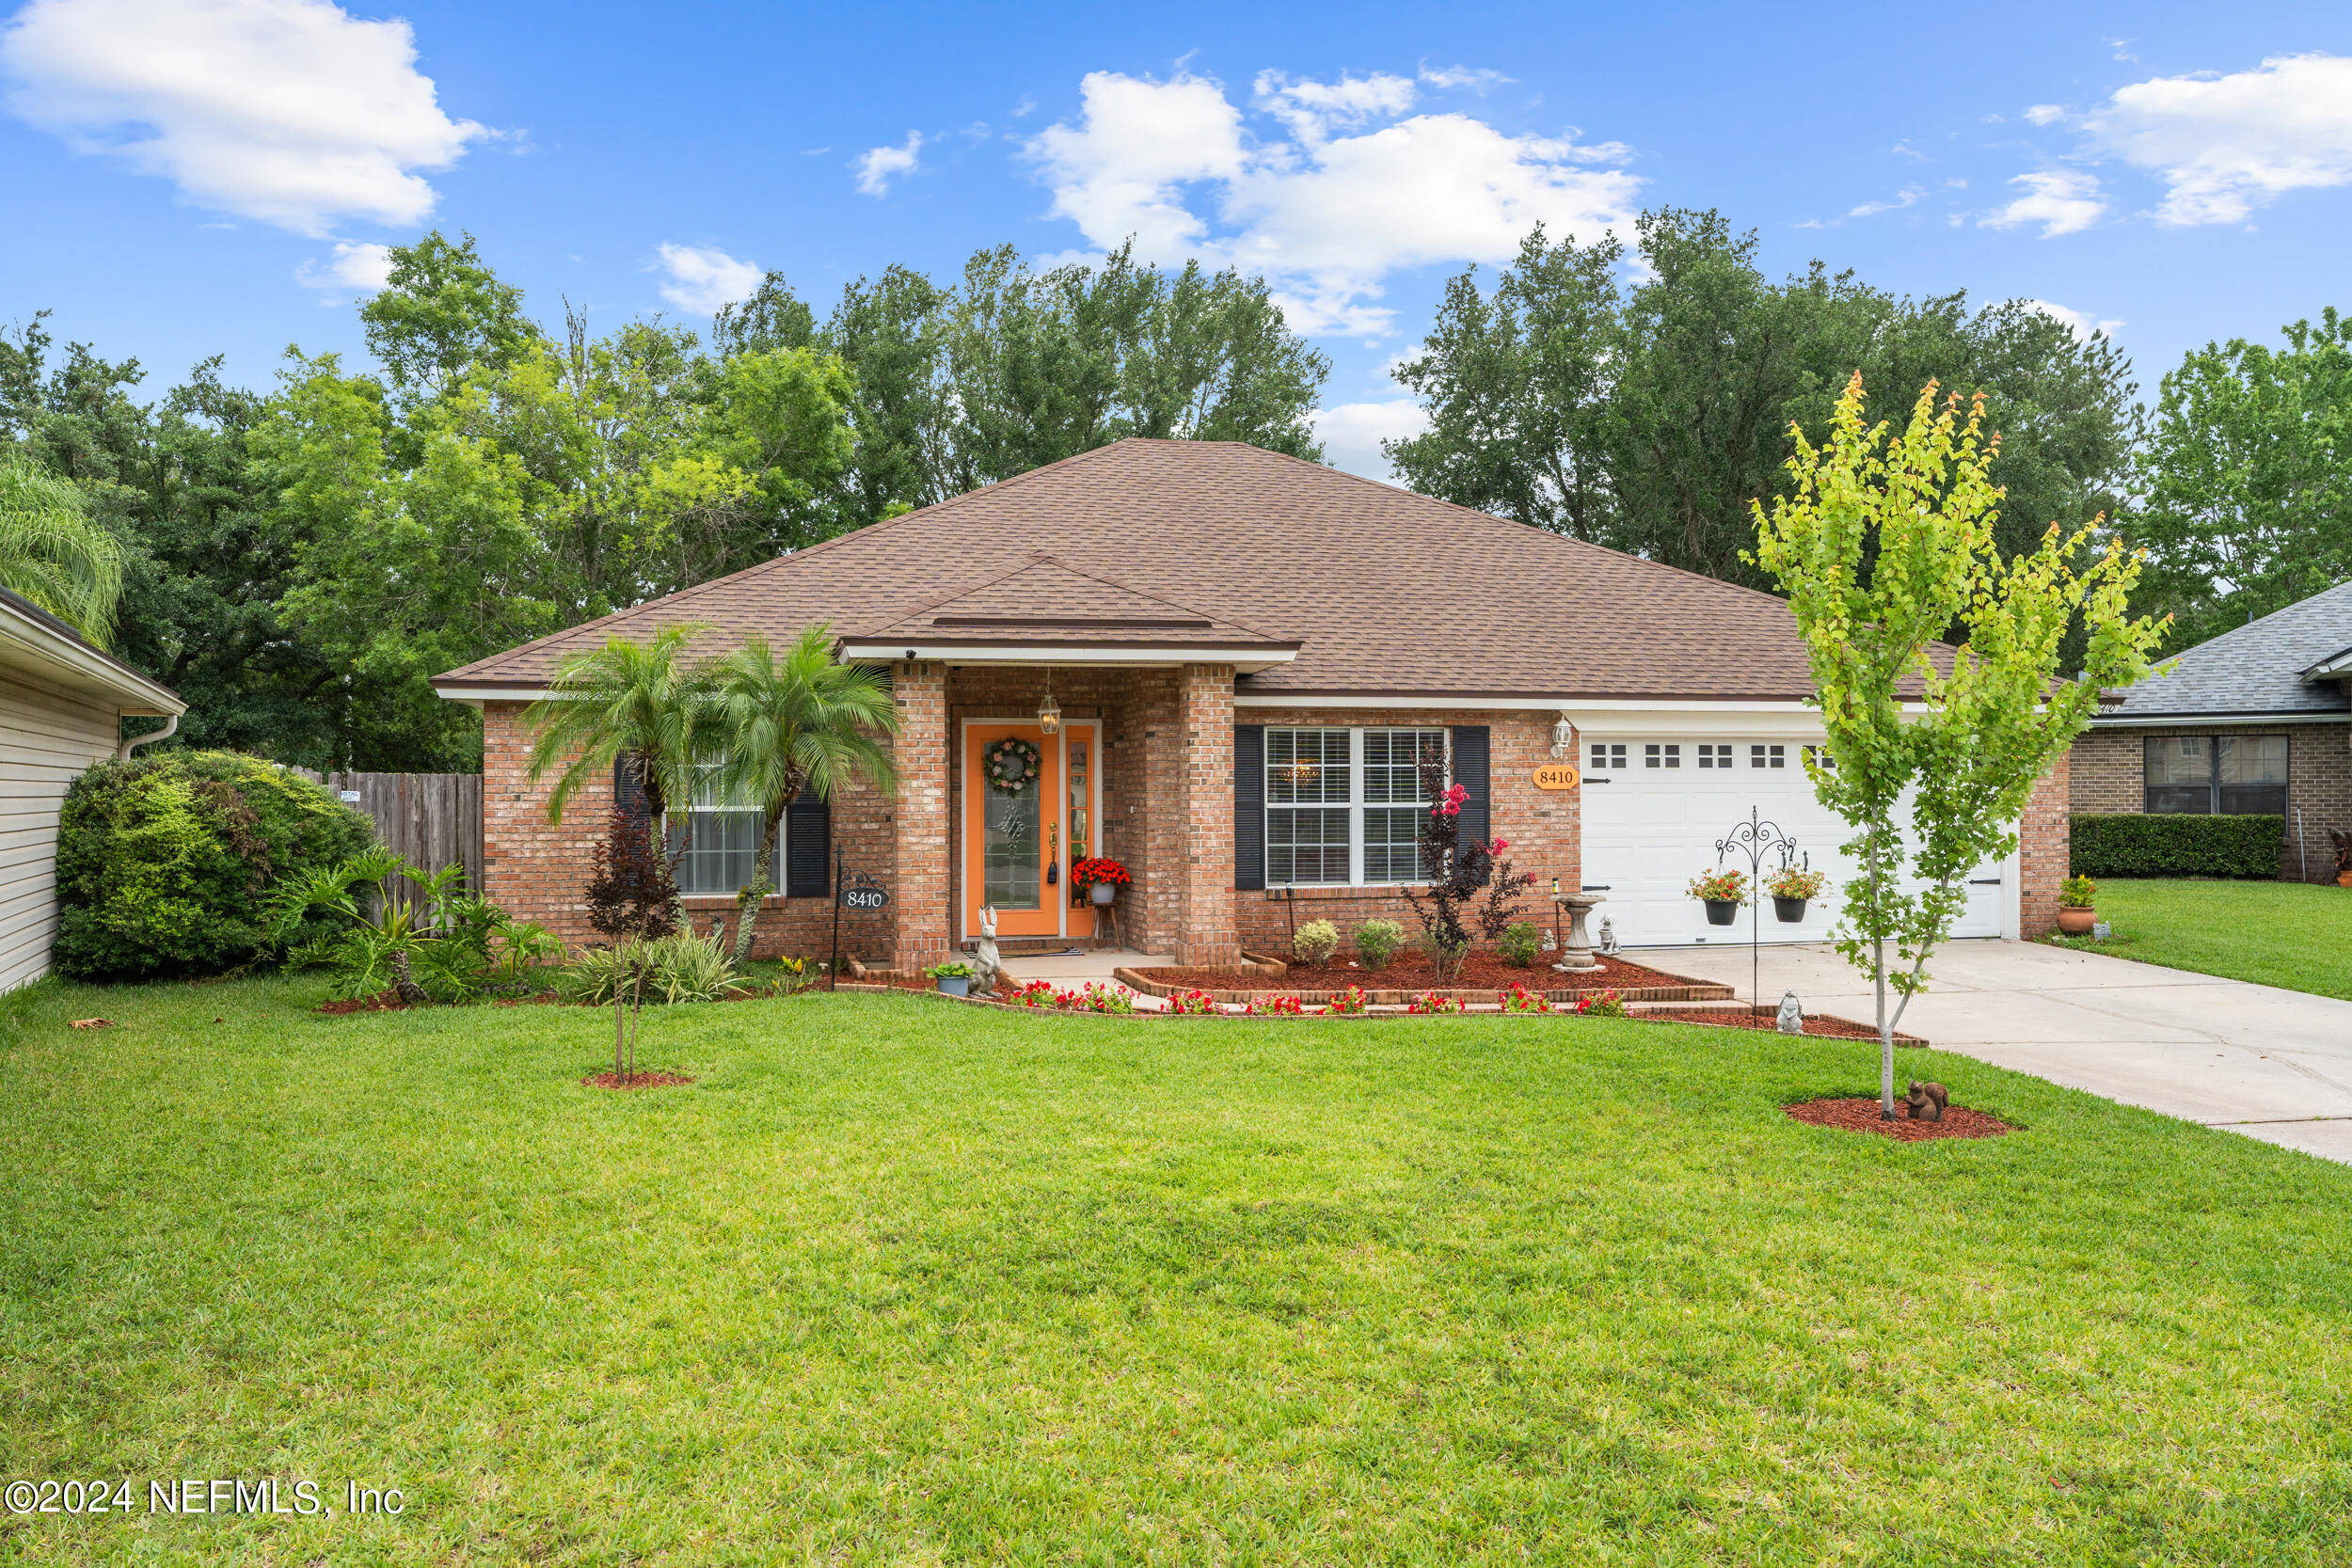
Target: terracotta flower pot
point(1721, 911)
point(2077, 923)
point(2344, 878)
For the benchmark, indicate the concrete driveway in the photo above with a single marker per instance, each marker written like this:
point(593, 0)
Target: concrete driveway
point(2273, 1065)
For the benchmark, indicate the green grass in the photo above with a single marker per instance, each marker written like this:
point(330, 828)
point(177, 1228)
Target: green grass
point(2290, 934)
point(896, 1281)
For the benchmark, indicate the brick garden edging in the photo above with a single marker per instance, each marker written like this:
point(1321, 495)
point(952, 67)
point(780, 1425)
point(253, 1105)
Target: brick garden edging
point(1689, 991)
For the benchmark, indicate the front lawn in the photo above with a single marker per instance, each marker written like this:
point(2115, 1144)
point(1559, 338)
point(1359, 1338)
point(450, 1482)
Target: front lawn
point(898, 1281)
point(2290, 934)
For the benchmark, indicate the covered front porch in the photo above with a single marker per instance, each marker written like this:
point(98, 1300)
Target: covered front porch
point(1049, 717)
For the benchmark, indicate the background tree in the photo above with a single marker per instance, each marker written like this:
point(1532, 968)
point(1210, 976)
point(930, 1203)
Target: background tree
point(2246, 479)
point(793, 722)
point(1648, 418)
point(54, 554)
point(1885, 543)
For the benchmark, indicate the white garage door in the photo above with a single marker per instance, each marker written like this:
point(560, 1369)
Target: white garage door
point(1653, 808)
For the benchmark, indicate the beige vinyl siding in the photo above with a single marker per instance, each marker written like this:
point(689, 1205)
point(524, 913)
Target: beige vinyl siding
point(47, 737)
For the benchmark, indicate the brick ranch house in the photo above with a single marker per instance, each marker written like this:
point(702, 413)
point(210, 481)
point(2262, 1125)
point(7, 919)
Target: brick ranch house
point(2257, 721)
point(1246, 651)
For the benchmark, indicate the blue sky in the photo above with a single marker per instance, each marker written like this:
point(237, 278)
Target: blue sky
point(189, 177)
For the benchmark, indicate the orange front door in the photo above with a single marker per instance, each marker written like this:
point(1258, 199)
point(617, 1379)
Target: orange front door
point(1013, 830)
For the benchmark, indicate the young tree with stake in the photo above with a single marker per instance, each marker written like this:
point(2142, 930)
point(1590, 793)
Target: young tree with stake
point(1885, 545)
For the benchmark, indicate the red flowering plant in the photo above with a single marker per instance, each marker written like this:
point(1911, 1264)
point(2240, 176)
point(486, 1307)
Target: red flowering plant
point(1458, 872)
point(1607, 1004)
point(1037, 994)
point(1351, 1000)
point(1276, 1007)
point(1197, 1001)
point(1435, 1001)
point(1098, 870)
point(1518, 999)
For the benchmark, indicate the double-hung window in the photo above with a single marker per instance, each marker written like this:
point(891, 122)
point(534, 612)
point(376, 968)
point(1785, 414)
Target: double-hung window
point(2230, 775)
point(722, 837)
point(1343, 805)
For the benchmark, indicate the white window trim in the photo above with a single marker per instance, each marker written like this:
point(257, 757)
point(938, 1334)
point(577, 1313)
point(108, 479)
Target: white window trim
point(1356, 804)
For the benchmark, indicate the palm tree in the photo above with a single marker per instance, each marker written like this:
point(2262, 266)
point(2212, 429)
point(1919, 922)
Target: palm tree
point(645, 701)
point(794, 721)
point(54, 554)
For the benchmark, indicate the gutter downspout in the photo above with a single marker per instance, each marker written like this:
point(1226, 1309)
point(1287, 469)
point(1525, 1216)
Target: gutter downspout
point(122, 753)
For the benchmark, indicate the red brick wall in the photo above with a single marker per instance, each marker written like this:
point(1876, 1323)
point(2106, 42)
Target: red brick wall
point(2111, 776)
point(1540, 826)
point(539, 870)
point(1205, 932)
point(2042, 836)
point(918, 839)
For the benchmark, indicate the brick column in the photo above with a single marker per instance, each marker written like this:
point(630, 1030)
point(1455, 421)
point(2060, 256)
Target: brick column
point(920, 817)
point(1206, 932)
point(2044, 848)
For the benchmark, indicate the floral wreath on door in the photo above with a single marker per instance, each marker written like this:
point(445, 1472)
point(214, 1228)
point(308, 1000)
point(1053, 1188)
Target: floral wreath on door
point(1011, 765)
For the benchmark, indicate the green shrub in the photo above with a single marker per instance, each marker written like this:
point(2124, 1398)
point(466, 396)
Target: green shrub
point(1315, 941)
point(164, 864)
point(2167, 845)
point(680, 967)
point(1520, 943)
point(1376, 942)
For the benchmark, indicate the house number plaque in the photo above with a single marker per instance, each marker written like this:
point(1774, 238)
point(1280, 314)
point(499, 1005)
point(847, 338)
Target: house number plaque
point(1557, 775)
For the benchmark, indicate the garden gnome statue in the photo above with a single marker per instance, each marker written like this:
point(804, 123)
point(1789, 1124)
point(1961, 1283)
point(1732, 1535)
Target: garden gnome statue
point(988, 967)
point(1576, 948)
point(1791, 1021)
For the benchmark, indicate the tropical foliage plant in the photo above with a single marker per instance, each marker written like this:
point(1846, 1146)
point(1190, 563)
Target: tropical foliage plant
point(1887, 543)
point(54, 554)
point(790, 721)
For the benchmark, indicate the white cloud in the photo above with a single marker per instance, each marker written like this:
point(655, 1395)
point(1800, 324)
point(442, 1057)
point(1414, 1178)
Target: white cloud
point(292, 112)
point(1351, 433)
point(2046, 113)
point(2083, 326)
point(877, 166)
point(1902, 198)
point(1351, 194)
point(359, 268)
point(2226, 145)
point(1478, 79)
point(2060, 201)
point(703, 279)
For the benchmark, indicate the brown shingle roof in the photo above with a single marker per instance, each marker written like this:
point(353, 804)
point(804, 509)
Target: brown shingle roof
point(1385, 591)
point(1048, 600)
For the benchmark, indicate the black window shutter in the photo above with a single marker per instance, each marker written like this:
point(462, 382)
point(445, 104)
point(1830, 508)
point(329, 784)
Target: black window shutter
point(1249, 807)
point(628, 794)
point(1469, 771)
point(807, 847)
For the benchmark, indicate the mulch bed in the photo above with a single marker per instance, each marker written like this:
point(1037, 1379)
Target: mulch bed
point(1827, 1025)
point(609, 1080)
point(1860, 1114)
point(1411, 970)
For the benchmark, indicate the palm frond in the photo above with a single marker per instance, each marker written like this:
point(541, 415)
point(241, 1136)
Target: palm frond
point(54, 554)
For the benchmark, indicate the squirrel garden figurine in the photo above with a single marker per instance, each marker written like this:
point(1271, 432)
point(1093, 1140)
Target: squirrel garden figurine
point(1926, 1101)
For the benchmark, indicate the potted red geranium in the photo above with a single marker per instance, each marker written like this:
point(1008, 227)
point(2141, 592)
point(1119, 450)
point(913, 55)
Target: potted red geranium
point(1722, 892)
point(1101, 876)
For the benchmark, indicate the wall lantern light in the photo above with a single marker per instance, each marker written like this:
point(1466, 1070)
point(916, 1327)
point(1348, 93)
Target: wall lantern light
point(1563, 735)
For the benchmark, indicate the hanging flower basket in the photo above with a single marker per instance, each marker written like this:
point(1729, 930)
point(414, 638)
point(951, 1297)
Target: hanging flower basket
point(1791, 886)
point(1012, 764)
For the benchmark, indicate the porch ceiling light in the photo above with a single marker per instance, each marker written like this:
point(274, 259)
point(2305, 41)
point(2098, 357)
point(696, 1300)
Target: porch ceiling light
point(1049, 711)
point(1563, 735)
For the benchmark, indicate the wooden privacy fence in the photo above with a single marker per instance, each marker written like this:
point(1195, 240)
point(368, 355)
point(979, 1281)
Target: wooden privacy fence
point(434, 819)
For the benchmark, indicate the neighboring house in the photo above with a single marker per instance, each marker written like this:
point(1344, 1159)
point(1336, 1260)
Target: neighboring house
point(62, 702)
point(1245, 652)
point(2257, 721)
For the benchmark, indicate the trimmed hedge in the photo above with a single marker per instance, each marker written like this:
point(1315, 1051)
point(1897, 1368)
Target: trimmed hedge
point(163, 863)
point(2142, 845)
